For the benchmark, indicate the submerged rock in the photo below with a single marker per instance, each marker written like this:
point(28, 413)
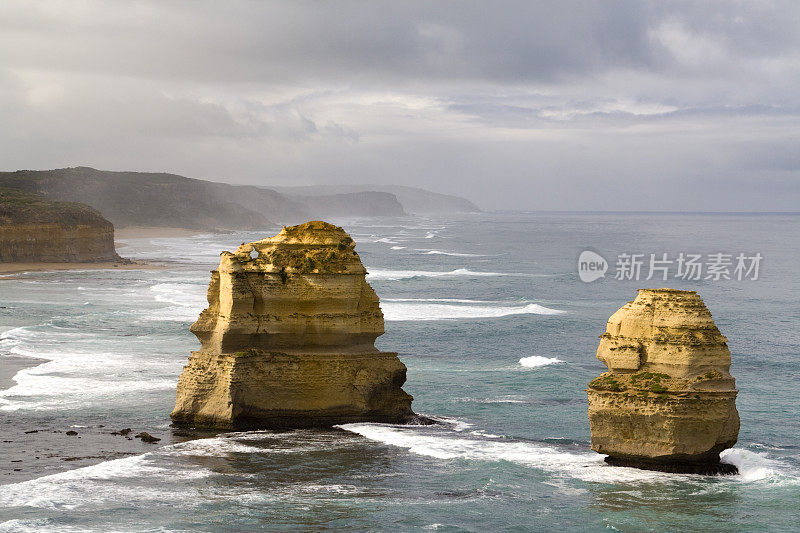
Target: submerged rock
point(668, 400)
point(147, 437)
point(288, 339)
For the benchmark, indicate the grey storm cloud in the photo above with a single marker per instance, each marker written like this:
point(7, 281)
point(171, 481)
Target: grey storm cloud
point(517, 105)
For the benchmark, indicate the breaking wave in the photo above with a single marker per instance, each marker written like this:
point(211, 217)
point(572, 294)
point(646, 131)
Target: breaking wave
point(443, 309)
point(186, 301)
point(585, 465)
point(454, 254)
point(537, 360)
point(379, 274)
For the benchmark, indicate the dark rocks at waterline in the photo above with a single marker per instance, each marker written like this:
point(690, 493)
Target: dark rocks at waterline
point(707, 469)
point(71, 433)
point(147, 437)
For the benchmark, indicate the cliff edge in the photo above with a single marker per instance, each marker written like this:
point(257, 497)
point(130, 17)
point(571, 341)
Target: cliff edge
point(288, 339)
point(668, 401)
point(35, 229)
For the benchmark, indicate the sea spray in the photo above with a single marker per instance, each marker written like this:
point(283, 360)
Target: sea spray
point(537, 360)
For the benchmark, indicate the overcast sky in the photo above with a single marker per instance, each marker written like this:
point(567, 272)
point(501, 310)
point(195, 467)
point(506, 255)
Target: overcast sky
point(607, 105)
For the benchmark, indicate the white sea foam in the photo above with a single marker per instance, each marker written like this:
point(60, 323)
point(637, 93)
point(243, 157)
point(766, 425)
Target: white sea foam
point(154, 475)
point(443, 300)
point(587, 466)
point(212, 447)
point(398, 247)
point(186, 299)
point(537, 360)
point(756, 466)
point(77, 369)
point(414, 310)
point(64, 383)
point(453, 423)
point(482, 433)
point(441, 252)
point(380, 274)
point(430, 235)
point(83, 486)
point(183, 294)
point(446, 445)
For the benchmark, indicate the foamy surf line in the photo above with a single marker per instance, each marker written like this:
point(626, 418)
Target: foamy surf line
point(94, 484)
point(379, 274)
point(185, 300)
point(588, 466)
point(442, 309)
point(424, 251)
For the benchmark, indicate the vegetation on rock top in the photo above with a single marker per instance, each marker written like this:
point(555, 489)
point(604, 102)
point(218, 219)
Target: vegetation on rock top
point(20, 207)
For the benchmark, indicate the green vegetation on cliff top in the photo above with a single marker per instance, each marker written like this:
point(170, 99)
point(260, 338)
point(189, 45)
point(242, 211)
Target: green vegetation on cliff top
point(20, 207)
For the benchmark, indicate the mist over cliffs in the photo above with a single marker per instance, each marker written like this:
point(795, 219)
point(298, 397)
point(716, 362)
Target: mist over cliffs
point(414, 200)
point(170, 200)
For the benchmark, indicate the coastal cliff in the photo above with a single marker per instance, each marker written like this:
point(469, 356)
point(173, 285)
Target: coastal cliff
point(288, 339)
point(34, 229)
point(159, 199)
point(668, 400)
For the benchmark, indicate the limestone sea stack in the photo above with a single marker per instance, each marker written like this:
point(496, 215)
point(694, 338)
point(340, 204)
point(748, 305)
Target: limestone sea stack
point(288, 339)
point(668, 400)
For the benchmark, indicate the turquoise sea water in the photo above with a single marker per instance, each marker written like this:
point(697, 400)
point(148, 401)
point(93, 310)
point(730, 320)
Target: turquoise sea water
point(499, 337)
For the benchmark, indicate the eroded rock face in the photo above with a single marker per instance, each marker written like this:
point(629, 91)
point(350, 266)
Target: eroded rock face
point(34, 229)
point(288, 339)
point(668, 400)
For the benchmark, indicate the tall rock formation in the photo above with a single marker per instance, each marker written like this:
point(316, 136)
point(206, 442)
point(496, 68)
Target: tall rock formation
point(668, 400)
point(288, 339)
point(35, 229)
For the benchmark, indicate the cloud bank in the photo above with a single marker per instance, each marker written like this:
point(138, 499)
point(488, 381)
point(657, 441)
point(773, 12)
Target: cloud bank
point(606, 105)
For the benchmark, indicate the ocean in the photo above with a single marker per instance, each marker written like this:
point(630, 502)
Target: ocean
point(499, 336)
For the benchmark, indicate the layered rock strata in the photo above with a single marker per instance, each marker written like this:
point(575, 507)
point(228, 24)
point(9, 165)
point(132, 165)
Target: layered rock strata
point(35, 229)
point(668, 400)
point(288, 339)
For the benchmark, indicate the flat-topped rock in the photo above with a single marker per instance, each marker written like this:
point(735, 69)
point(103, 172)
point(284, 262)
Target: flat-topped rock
point(288, 339)
point(668, 400)
point(36, 229)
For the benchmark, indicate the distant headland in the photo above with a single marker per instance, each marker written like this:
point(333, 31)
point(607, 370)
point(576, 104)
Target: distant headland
point(162, 200)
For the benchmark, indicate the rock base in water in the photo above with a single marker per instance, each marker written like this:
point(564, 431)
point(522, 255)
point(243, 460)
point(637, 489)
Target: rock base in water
point(668, 401)
point(706, 469)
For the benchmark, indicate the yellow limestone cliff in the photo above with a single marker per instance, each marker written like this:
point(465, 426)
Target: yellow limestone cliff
point(668, 400)
point(288, 339)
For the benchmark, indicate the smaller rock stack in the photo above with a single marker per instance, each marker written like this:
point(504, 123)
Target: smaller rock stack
point(668, 400)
